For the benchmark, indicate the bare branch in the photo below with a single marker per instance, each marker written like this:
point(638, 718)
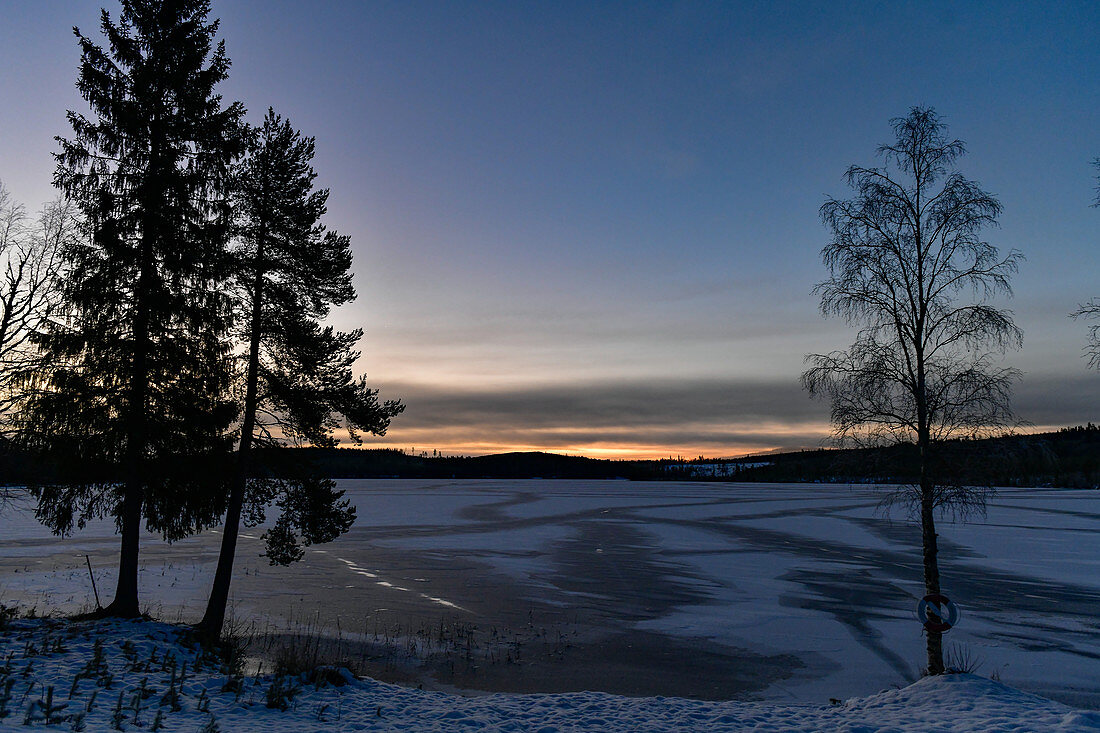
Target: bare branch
point(907, 264)
point(30, 259)
point(1091, 310)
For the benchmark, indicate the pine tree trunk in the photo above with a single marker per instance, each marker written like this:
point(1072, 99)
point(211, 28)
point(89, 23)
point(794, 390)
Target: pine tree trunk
point(214, 617)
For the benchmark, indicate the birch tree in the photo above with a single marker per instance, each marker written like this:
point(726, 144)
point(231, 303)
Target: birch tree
point(908, 265)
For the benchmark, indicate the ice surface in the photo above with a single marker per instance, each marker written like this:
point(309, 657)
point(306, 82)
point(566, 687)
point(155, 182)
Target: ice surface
point(813, 571)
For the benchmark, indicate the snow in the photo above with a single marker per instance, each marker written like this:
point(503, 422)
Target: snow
point(730, 468)
point(45, 653)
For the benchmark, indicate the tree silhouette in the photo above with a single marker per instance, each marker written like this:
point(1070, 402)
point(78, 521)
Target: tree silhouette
point(139, 365)
point(289, 272)
point(1091, 309)
point(30, 261)
point(907, 264)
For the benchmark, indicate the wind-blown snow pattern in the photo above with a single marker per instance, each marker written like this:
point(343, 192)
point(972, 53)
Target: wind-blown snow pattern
point(129, 686)
point(767, 592)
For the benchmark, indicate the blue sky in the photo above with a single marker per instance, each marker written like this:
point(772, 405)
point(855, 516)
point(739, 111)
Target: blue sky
point(592, 227)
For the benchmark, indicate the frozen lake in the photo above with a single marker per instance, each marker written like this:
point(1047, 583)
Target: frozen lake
point(714, 590)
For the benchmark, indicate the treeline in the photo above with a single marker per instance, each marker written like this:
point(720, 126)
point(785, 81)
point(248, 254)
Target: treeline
point(1067, 458)
point(388, 463)
point(18, 466)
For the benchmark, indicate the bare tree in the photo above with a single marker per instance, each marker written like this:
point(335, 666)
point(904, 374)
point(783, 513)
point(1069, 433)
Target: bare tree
point(29, 263)
point(1091, 309)
point(1096, 164)
point(908, 266)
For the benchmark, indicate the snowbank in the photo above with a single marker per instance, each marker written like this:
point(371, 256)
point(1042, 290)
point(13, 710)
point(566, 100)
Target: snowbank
point(147, 676)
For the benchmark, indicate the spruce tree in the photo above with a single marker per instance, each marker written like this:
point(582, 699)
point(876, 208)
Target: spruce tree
point(298, 381)
point(139, 364)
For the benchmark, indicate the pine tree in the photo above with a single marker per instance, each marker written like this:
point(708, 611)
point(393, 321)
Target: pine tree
point(140, 367)
point(299, 384)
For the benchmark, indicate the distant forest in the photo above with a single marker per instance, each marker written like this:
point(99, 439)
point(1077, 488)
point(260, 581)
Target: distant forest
point(1069, 458)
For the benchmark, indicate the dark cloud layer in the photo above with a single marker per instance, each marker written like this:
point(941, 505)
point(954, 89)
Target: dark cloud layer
point(1059, 400)
point(640, 404)
point(653, 416)
point(719, 417)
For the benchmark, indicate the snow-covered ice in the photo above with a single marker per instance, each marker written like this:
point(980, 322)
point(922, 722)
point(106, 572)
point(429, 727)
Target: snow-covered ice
point(808, 584)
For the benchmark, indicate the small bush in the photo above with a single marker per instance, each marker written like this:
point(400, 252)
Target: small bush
point(280, 694)
point(7, 615)
point(327, 676)
point(960, 659)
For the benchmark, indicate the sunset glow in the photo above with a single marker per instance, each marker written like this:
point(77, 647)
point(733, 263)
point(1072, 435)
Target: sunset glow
point(594, 229)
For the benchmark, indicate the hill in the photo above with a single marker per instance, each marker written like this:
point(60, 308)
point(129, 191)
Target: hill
point(1069, 457)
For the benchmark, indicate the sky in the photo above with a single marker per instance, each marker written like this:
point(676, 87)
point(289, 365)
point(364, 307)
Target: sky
point(592, 228)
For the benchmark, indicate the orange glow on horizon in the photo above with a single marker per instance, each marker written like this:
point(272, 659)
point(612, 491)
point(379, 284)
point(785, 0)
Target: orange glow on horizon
point(817, 433)
point(594, 450)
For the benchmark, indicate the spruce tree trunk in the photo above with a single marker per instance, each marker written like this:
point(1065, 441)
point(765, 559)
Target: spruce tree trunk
point(125, 603)
point(214, 617)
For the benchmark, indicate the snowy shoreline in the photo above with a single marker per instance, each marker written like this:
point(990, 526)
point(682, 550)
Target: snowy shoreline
point(148, 676)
